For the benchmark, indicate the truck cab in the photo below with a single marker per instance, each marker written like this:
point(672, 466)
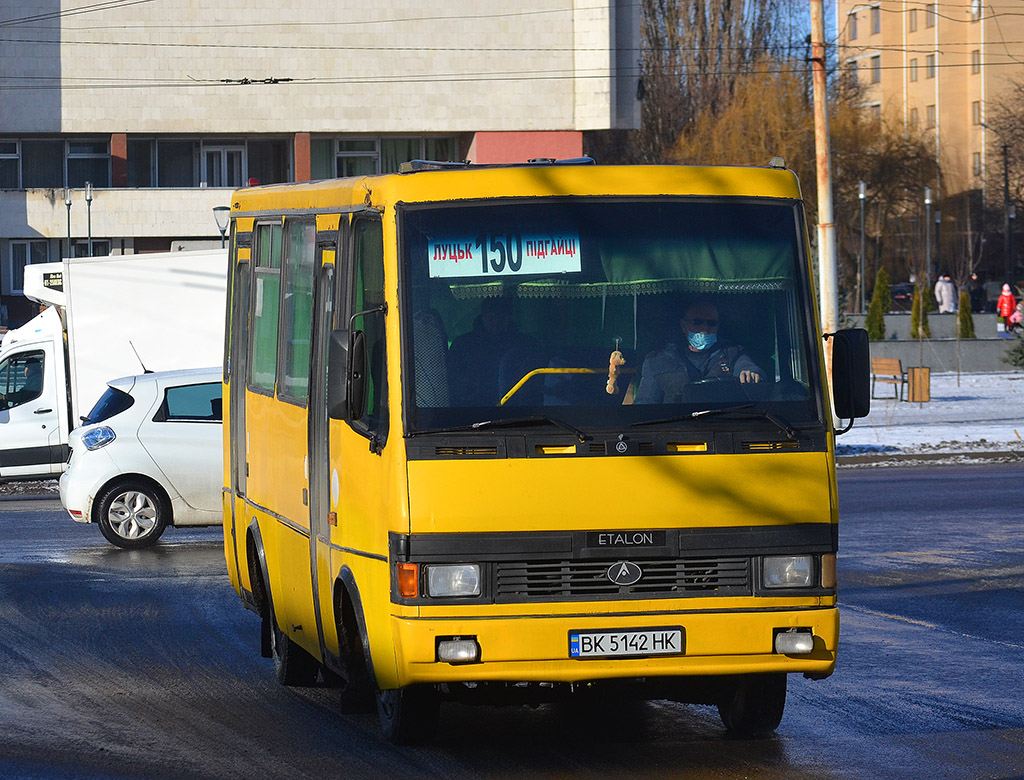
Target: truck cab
point(34, 420)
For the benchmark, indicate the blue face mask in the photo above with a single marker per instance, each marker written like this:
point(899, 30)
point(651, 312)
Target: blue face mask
point(702, 341)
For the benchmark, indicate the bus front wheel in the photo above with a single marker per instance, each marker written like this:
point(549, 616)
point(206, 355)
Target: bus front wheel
point(408, 715)
point(751, 706)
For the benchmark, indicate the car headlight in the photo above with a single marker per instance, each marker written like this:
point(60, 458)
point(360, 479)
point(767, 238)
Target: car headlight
point(94, 438)
point(788, 571)
point(462, 579)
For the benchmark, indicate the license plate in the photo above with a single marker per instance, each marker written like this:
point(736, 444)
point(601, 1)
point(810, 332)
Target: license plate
point(634, 643)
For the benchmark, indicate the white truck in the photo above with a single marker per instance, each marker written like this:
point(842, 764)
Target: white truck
point(107, 317)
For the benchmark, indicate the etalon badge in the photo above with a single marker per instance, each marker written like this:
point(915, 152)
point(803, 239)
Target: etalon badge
point(624, 573)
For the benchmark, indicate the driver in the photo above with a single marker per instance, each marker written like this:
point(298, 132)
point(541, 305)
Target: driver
point(702, 356)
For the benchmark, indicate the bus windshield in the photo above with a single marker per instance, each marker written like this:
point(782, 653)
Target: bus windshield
point(603, 313)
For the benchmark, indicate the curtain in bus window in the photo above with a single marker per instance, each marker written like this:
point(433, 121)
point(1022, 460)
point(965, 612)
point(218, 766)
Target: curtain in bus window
point(297, 316)
point(266, 296)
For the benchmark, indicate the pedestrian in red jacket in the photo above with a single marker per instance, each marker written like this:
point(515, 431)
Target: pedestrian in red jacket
point(1004, 308)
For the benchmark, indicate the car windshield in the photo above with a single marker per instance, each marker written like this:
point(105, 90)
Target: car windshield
point(603, 313)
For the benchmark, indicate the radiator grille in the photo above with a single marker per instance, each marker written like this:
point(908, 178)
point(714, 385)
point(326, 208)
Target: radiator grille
point(662, 578)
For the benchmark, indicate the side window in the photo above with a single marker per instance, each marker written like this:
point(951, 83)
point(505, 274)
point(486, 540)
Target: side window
point(297, 312)
point(21, 379)
point(191, 403)
point(265, 302)
point(368, 293)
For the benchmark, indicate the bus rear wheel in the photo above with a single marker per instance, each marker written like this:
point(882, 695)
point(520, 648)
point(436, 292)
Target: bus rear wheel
point(751, 706)
point(292, 664)
point(408, 716)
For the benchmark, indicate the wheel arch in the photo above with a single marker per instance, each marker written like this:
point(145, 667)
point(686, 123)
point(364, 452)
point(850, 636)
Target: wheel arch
point(124, 479)
point(348, 606)
point(259, 581)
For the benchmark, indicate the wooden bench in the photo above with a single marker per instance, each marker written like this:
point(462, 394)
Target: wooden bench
point(888, 371)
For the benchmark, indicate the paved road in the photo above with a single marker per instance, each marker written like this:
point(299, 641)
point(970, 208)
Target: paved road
point(118, 664)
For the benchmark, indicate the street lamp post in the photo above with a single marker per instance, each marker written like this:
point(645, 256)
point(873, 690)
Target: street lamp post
point(862, 194)
point(222, 214)
point(88, 209)
point(67, 202)
point(927, 240)
point(1007, 224)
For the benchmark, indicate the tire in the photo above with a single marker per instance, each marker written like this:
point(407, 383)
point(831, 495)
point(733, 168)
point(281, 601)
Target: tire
point(293, 666)
point(751, 707)
point(132, 514)
point(354, 680)
point(408, 716)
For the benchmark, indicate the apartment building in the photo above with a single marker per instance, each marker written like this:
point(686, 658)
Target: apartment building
point(124, 123)
point(939, 67)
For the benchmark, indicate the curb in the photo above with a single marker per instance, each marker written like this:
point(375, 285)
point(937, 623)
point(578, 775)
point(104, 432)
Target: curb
point(929, 458)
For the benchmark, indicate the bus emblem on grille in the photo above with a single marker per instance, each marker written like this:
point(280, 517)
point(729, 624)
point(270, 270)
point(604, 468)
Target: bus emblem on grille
point(624, 573)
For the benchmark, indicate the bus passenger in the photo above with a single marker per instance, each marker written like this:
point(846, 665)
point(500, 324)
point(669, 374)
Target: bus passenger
point(703, 356)
point(475, 358)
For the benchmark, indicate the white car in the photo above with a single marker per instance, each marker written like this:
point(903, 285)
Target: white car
point(148, 455)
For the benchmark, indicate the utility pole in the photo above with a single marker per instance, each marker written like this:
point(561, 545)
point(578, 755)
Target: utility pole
point(827, 277)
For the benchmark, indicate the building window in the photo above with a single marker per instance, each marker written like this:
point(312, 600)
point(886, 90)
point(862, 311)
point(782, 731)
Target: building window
point(222, 165)
point(913, 69)
point(976, 61)
point(929, 66)
point(976, 112)
point(368, 156)
point(23, 253)
point(876, 112)
point(929, 15)
point(9, 178)
point(912, 20)
point(100, 247)
point(851, 19)
point(876, 69)
point(976, 163)
point(141, 163)
point(876, 20)
point(975, 10)
point(42, 164)
point(913, 118)
point(930, 117)
point(853, 73)
point(88, 161)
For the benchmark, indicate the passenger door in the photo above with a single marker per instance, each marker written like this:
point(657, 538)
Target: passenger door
point(30, 440)
point(184, 439)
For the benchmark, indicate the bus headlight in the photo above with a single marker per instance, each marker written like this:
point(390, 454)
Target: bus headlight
point(788, 571)
point(447, 580)
point(94, 438)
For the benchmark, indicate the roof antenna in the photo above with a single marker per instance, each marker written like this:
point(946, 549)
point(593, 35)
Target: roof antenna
point(144, 369)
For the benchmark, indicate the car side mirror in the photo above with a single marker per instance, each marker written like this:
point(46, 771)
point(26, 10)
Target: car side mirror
point(357, 376)
point(851, 373)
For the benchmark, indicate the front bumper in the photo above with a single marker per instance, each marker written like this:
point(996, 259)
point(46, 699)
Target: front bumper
point(536, 648)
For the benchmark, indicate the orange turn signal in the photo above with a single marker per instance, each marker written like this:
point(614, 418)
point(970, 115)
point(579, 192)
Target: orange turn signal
point(828, 570)
point(408, 580)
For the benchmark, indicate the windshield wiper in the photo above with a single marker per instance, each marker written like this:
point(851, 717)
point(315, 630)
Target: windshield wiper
point(743, 411)
point(513, 422)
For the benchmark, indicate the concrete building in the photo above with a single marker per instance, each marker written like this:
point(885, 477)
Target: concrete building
point(939, 67)
point(165, 107)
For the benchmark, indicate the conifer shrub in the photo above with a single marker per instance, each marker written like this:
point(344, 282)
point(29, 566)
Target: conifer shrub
point(881, 301)
point(1015, 354)
point(964, 318)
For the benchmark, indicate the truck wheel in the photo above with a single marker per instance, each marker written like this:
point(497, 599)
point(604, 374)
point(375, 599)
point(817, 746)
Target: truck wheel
point(408, 716)
point(292, 664)
point(132, 514)
point(751, 706)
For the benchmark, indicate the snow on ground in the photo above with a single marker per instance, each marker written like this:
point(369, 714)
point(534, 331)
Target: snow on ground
point(971, 417)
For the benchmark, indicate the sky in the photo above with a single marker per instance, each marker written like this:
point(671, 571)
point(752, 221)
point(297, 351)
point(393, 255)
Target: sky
point(970, 417)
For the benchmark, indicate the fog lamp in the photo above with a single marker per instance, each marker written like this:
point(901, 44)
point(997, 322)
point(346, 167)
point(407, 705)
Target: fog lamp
point(458, 650)
point(797, 641)
point(788, 571)
point(447, 580)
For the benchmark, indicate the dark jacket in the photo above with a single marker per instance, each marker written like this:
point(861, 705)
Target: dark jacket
point(668, 370)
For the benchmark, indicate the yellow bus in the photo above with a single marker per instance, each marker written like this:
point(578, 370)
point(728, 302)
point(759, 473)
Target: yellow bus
point(521, 433)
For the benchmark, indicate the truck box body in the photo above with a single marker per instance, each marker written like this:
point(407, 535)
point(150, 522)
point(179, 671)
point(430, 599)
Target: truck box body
point(108, 317)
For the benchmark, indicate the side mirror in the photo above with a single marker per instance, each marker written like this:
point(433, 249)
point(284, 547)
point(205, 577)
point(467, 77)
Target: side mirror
point(337, 375)
point(851, 373)
point(357, 376)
